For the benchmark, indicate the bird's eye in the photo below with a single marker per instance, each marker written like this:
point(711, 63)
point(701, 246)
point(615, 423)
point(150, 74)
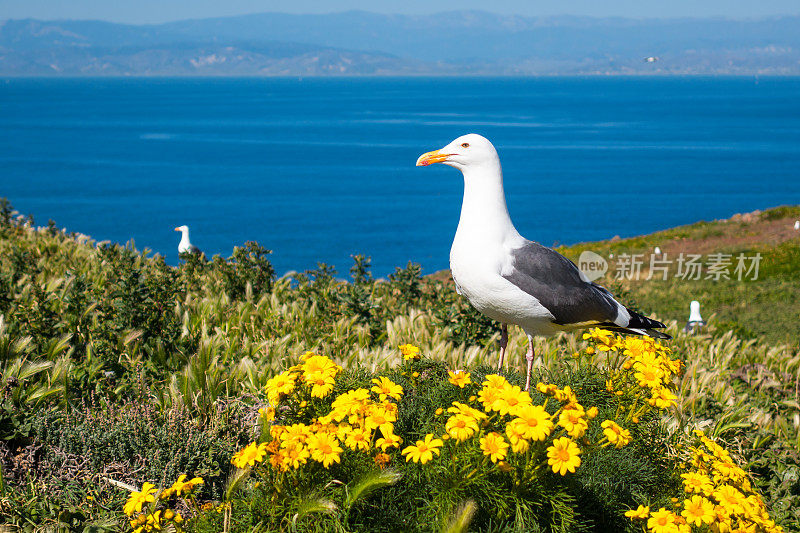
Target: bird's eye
point(465, 145)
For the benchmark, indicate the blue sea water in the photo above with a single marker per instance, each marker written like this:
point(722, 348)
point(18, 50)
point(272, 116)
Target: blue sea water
point(319, 169)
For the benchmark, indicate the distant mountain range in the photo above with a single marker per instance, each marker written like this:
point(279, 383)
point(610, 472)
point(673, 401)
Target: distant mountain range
point(360, 43)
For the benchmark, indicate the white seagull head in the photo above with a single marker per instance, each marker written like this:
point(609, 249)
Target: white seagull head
point(468, 151)
point(182, 229)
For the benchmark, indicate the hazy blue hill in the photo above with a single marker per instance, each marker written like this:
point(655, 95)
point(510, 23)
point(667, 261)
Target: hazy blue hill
point(34, 34)
point(463, 35)
point(32, 47)
point(358, 42)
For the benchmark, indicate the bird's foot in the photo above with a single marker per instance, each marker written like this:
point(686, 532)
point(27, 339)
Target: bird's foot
point(503, 345)
point(529, 358)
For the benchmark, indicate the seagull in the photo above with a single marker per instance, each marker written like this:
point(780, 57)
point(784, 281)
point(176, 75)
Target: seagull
point(186, 247)
point(657, 251)
point(695, 320)
point(511, 279)
point(797, 224)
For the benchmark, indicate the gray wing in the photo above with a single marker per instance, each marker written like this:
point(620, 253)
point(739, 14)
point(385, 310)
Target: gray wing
point(194, 250)
point(555, 281)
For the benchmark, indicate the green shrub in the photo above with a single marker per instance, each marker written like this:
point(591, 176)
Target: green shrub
point(331, 432)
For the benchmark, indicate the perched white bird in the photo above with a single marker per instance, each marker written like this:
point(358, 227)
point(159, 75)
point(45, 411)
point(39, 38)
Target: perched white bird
point(511, 279)
point(797, 224)
point(185, 246)
point(657, 251)
point(695, 320)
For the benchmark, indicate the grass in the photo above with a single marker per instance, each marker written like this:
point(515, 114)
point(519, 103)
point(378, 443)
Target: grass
point(116, 369)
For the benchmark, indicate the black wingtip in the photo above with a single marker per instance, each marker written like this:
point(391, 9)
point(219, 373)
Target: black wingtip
point(642, 322)
point(639, 325)
point(658, 334)
point(638, 331)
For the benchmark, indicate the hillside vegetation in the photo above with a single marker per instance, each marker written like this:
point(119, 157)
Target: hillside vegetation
point(767, 306)
point(118, 370)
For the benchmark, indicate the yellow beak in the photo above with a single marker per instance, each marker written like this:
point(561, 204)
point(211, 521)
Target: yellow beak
point(177, 229)
point(432, 157)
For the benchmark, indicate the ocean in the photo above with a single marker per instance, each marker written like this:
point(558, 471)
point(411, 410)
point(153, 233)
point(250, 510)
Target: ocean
point(319, 169)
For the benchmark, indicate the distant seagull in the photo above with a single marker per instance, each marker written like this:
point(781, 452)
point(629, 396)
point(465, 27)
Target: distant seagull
point(695, 320)
point(511, 279)
point(797, 224)
point(657, 251)
point(651, 59)
point(185, 246)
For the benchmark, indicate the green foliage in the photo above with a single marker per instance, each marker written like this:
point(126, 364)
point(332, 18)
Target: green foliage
point(246, 272)
point(104, 348)
point(136, 438)
point(519, 493)
point(783, 211)
point(777, 471)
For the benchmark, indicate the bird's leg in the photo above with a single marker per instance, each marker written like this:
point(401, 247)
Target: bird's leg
point(529, 357)
point(503, 344)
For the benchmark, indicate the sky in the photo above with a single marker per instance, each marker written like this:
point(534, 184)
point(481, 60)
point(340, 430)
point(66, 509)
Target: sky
point(154, 11)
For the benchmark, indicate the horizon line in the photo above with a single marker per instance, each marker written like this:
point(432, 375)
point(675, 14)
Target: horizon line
point(417, 15)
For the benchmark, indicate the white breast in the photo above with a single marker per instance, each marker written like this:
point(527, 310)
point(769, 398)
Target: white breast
point(477, 272)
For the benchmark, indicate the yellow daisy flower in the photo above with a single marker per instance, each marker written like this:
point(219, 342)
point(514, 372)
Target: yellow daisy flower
point(324, 448)
point(496, 381)
point(730, 498)
point(518, 442)
point(605, 339)
point(662, 398)
point(459, 408)
point(488, 396)
point(321, 384)
point(566, 395)
point(249, 455)
point(348, 402)
point(181, 487)
point(640, 512)
point(511, 399)
point(388, 441)
point(295, 433)
point(137, 499)
point(409, 351)
point(533, 422)
point(423, 450)
point(546, 389)
point(574, 422)
point(495, 446)
point(694, 482)
point(461, 427)
point(698, 510)
point(662, 521)
point(459, 379)
point(563, 456)
point(319, 364)
point(616, 435)
point(279, 386)
point(358, 439)
point(295, 454)
point(649, 376)
point(386, 388)
point(380, 418)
